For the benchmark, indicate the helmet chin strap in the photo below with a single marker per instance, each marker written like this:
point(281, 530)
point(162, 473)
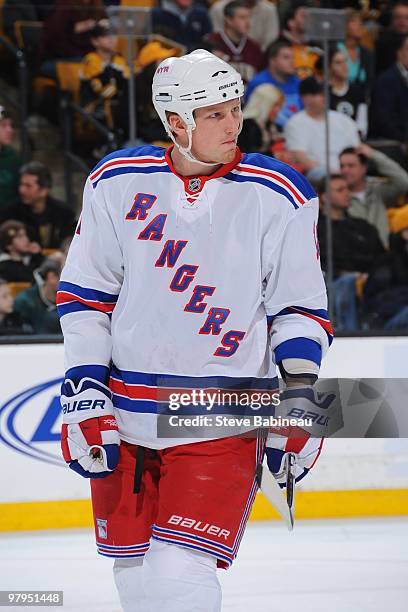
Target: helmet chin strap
point(186, 151)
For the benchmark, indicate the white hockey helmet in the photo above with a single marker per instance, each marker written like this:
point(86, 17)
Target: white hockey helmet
point(182, 84)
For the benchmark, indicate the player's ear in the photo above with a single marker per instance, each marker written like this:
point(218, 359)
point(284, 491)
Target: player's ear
point(176, 123)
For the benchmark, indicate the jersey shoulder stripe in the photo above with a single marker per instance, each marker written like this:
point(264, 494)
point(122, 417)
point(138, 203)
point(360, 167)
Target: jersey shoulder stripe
point(131, 152)
point(276, 175)
point(146, 159)
point(240, 178)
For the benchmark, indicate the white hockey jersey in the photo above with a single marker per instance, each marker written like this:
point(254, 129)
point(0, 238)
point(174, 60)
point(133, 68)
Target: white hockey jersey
point(212, 278)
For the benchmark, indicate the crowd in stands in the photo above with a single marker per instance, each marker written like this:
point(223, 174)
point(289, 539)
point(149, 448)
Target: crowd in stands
point(284, 116)
point(35, 232)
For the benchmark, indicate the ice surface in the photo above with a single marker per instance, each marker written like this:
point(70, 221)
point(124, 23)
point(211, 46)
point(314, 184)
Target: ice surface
point(323, 566)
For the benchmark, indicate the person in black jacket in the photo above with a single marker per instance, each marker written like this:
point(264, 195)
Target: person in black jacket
point(389, 105)
point(386, 289)
point(48, 220)
point(181, 20)
point(356, 247)
point(356, 243)
point(387, 41)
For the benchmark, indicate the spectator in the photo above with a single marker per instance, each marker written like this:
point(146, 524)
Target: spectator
point(305, 55)
point(356, 246)
point(370, 196)
point(67, 31)
point(10, 161)
point(280, 72)
point(345, 97)
point(11, 322)
point(264, 20)
point(259, 115)
point(149, 125)
point(388, 40)
point(259, 132)
point(104, 80)
point(37, 305)
point(306, 132)
point(181, 20)
point(48, 221)
point(19, 257)
point(389, 106)
point(360, 61)
point(241, 52)
point(386, 290)
point(214, 47)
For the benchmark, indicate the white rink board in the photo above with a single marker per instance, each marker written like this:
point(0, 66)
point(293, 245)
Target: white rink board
point(31, 468)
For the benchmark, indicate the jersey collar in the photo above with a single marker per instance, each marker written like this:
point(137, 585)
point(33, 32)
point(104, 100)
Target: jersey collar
point(194, 184)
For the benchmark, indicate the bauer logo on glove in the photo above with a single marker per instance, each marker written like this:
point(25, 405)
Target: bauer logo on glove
point(83, 405)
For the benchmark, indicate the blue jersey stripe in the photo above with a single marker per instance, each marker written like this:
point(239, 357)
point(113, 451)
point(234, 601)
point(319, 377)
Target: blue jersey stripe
point(240, 178)
point(95, 371)
point(118, 556)
point(193, 382)
point(300, 348)
point(264, 162)
point(87, 293)
point(65, 309)
point(142, 406)
point(135, 405)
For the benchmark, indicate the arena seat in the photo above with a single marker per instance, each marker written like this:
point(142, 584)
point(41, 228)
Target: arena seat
point(138, 3)
point(28, 35)
point(69, 78)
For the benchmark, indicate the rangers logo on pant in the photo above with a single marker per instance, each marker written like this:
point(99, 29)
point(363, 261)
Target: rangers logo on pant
point(102, 525)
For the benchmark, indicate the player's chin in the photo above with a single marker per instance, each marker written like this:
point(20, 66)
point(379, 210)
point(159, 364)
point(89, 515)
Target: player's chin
point(228, 155)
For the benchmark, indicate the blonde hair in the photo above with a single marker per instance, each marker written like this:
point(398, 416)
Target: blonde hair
point(259, 106)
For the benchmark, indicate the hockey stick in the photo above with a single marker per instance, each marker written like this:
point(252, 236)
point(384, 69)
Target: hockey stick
point(290, 484)
point(272, 491)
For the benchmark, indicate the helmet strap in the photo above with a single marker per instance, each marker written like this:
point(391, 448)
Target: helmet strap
point(186, 151)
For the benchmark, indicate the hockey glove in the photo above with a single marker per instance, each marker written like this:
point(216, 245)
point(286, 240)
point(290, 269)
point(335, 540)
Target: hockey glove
point(89, 437)
point(305, 449)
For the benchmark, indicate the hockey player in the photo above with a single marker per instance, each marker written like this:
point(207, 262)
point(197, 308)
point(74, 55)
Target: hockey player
point(181, 262)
